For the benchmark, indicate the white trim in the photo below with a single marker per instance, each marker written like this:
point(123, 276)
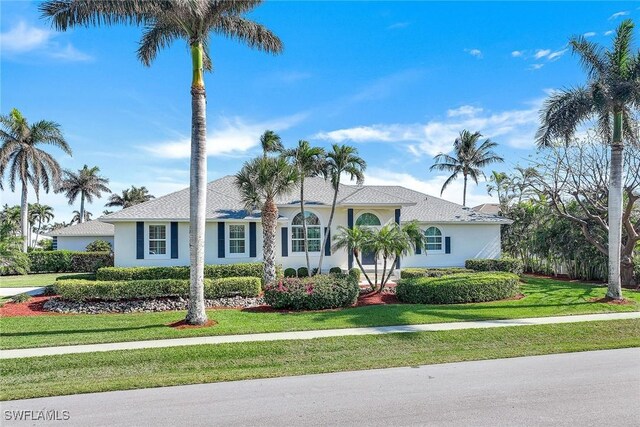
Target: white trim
point(167, 239)
point(291, 225)
point(442, 242)
point(227, 243)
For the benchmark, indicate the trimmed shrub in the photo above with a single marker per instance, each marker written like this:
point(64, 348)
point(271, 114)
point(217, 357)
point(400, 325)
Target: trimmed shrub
point(335, 270)
point(23, 297)
point(313, 293)
point(182, 273)
point(83, 276)
point(83, 290)
point(458, 288)
point(68, 261)
point(99, 246)
point(303, 272)
point(414, 273)
point(290, 272)
point(510, 265)
point(355, 273)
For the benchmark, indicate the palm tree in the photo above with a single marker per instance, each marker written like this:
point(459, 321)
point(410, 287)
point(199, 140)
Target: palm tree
point(26, 163)
point(609, 97)
point(468, 160)
point(40, 214)
point(165, 22)
point(270, 143)
point(10, 221)
point(356, 240)
point(309, 162)
point(130, 196)
point(261, 181)
point(342, 159)
point(86, 183)
point(78, 218)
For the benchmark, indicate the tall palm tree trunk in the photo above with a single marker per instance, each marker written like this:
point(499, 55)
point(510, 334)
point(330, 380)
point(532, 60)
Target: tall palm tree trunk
point(326, 239)
point(269, 225)
point(615, 209)
point(81, 207)
point(24, 218)
point(196, 314)
point(35, 242)
point(464, 191)
point(304, 226)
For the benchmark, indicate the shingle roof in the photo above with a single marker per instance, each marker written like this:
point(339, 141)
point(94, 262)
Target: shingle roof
point(223, 202)
point(488, 208)
point(90, 228)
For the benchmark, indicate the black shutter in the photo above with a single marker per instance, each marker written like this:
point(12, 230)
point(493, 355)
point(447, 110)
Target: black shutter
point(397, 216)
point(350, 225)
point(221, 239)
point(284, 241)
point(54, 243)
point(418, 249)
point(447, 245)
point(327, 236)
point(252, 240)
point(139, 240)
point(174, 240)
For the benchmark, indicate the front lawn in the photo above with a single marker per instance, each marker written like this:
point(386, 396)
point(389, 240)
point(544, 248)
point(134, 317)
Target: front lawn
point(31, 280)
point(544, 297)
point(130, 369)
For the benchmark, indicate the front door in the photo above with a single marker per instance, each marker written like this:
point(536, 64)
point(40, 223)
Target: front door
point(368, 258)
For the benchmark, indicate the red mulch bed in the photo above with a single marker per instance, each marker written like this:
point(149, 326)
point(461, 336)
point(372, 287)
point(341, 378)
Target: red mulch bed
point(33, 307)
point(373, 298)
point(607, 300)
point(182, 324)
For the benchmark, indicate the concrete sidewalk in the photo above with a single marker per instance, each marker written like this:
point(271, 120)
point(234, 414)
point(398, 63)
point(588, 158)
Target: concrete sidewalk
point(303, 335)
point(9, 292)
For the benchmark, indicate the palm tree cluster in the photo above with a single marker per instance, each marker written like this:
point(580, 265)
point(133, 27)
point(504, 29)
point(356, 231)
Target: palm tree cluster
point(130, 197)
point(85, 183)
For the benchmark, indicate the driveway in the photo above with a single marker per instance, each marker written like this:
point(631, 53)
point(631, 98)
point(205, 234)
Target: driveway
point(9, 292)
point(590, 388)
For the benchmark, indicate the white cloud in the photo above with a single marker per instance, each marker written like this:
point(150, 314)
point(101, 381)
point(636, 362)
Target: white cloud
point(608, 33)
point(228, 137)
point(556, 55)
point(398, 26)
point(474, 52)
point(535, 66)
point(515, 128)
point(23, 38)
point(517, 53)
point(618, 15)
point(590, 34)
point(541, 53)
point(476, 194)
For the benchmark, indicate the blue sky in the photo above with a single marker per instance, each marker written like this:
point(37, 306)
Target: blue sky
point(397, 80)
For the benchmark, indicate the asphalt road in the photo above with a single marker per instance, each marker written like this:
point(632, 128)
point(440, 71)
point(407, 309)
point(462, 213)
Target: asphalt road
point(576, 389)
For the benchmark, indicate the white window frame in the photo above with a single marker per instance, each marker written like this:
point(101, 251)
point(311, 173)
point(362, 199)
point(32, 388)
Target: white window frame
point(291, 239)
point(244, 254)
point(147, 241)
point(434, 251)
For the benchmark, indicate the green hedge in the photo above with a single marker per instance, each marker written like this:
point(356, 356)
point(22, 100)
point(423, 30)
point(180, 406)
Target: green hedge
point(83, 290)
point(458, 288)
point(313, 293)
point(355, 273)
point(155, 273)
point(414, 273)
point(510, 265)
point(290, 272)
point(68, 261)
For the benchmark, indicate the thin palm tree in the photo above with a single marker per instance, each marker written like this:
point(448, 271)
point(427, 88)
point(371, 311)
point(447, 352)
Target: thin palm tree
point(85, 183)
point(78, 218)
point(468, 159)
point(342, 159)
point(165, 22)
point(309, 162)
point(261, 181)
point(40, 214)
point(357, 240)
point(130, 197)
point(27, 164)
point(10, 221)
point(609, 97)
point(270, 143)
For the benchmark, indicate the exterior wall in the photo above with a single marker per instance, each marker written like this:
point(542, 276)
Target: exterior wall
point(79, 243)
point(467, 241)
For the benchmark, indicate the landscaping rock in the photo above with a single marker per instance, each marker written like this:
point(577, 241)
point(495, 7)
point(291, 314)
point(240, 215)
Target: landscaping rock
point(144, 305)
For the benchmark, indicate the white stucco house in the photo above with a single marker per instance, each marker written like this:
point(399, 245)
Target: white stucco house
point(76, 237)
point(156, 233)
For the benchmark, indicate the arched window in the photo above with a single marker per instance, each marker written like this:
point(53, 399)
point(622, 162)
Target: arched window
point(313, 232)
point(368, 220)
point(434, 239)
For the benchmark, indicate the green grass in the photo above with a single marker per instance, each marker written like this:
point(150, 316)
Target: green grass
point(31, 280)
point(130, 369)
point(544, 297)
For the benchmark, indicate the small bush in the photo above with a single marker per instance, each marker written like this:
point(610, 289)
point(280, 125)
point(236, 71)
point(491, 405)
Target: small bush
point(510, 265)
point(68, 261)
point(335, 270)
point(458, 288)
point(313, 293)
point(181, 273)
point(355, 273)
point(83, 290)
point(24, 297)
point(414, 273)
point(303, 272)
point(290, 272)
point(99, 246)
